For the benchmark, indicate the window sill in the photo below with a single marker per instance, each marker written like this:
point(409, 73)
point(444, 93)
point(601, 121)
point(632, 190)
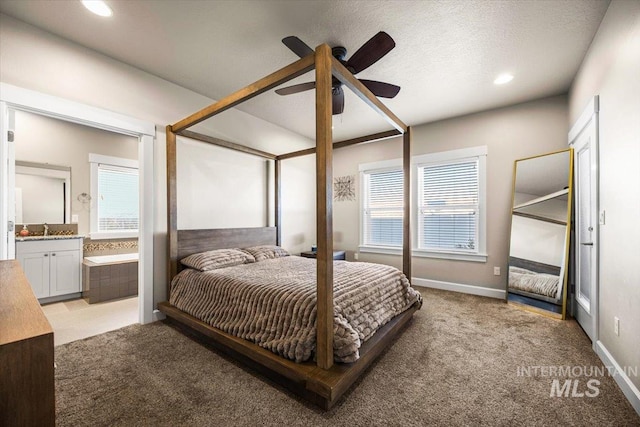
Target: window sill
point(421, 253)
point(386, 250)
point(114, 235)
point(456, 256)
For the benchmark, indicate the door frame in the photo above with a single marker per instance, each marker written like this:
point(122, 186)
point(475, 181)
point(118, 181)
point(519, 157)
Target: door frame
point(588, 116)
point(17, 98)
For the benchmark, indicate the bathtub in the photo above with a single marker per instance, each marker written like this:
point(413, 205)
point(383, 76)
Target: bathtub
point(110, 259)
point(109, 277)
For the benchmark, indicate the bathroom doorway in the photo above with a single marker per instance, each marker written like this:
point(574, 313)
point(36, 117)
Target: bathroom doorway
point(98, 201)
point(15, 99)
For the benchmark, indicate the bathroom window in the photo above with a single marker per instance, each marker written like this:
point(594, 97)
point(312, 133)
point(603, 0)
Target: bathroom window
point(115, 204)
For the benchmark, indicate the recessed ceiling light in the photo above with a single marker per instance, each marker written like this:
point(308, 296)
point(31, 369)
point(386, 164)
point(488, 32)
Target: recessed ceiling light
point(98, 7)
point(502, 79)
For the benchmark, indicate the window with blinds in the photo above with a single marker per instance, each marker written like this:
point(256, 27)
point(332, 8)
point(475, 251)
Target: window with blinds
point(448, 206)
point(382, 208)
point(115, 208)
point(117, 204)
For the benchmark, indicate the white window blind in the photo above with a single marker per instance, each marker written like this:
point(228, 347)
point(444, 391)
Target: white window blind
point(117, 203)
point(448, 206)
point(382, 208)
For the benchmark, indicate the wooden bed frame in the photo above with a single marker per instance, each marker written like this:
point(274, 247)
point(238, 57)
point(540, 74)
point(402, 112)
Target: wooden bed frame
point(322, 383)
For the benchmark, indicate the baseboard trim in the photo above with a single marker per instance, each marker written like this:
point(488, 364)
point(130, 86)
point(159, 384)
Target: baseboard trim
point(624, 382)
point(459, 287)
point(157, 315)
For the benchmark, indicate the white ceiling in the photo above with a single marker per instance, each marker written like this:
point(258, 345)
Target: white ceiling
point(446, 57)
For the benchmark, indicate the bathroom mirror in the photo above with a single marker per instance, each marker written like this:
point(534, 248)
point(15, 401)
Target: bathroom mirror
point(540, 233)
point(42, 193)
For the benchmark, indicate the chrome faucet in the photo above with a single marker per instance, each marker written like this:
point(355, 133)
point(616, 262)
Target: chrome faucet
point(46, 229)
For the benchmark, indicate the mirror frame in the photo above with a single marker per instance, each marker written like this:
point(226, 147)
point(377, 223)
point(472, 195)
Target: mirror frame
point(541, 304)
point(50, 171)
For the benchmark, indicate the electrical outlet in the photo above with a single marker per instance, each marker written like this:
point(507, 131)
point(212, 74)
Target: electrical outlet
point(496, 271)
point(355, 256)
point(602, 217)
point(616, 326)
point(74, 219)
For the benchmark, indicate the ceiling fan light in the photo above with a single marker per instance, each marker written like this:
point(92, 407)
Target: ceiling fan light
point(98, 7)
point(503, 79)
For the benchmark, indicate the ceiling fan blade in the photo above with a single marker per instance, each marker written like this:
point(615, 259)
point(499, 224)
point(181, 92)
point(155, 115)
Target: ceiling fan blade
point(337, 100)
point(296, 88)
point(383, 90)
point(298, 47)
point(370, 52)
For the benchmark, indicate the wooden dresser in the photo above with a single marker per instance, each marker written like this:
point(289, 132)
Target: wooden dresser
point(26, 353)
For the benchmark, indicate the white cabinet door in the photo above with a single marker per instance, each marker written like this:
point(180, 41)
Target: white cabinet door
point(64, 272)
point(36, 268)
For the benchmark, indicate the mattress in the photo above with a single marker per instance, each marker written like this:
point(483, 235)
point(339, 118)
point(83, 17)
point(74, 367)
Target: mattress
point(273, 303)
point(536, 283)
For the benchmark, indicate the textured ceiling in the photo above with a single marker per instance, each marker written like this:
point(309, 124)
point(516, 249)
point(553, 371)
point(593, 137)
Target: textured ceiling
point(446, 57)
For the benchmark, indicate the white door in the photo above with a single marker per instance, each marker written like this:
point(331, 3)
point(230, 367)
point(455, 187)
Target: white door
point(585, 144)
point(7, 183)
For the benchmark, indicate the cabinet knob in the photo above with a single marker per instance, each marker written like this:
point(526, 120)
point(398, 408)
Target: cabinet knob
point(53, 254)
point(46, 254)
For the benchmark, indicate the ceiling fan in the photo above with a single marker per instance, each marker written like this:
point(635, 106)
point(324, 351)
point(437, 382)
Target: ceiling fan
point(370, 53)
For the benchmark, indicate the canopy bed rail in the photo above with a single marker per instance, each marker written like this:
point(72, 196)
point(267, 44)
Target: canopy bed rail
point(326, 381)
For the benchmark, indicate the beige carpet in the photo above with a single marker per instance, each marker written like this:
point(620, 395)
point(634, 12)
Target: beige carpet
point(456, 364)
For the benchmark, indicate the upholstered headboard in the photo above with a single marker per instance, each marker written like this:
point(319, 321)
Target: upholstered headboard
point(194, 241)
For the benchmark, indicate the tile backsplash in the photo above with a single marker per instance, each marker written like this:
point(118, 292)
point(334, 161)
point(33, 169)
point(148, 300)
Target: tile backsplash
point(109, 247)
point(54, 229)
point(90, 247)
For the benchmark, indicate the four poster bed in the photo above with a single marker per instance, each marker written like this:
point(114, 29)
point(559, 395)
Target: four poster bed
point(322, 381)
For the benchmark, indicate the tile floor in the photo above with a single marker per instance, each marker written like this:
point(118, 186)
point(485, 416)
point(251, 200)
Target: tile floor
point(76, 319)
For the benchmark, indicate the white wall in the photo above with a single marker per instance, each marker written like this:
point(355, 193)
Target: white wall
point(219, 186)
point(37, 60)
point(42, 139)
point(611, 69)
point(510, 133)
point(537, 241)
point(299, 204)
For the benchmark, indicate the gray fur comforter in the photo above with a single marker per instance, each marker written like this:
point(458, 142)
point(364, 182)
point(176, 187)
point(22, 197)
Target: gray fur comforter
point(530, 281)
point(273, 303)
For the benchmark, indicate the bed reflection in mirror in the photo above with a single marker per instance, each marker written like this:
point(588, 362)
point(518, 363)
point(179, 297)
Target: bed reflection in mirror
point(540, 232)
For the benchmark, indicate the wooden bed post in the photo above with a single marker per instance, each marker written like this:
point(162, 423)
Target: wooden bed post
point(278, 201)
point(324, 214)
point(172, 208)
point(323, 382)
point(406, 221)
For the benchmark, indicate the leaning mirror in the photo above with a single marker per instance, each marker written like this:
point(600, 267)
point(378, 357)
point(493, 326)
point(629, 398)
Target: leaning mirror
point(540, 233)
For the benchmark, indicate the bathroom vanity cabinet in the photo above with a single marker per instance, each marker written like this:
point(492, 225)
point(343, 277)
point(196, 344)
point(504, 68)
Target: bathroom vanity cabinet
point(52, 265)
